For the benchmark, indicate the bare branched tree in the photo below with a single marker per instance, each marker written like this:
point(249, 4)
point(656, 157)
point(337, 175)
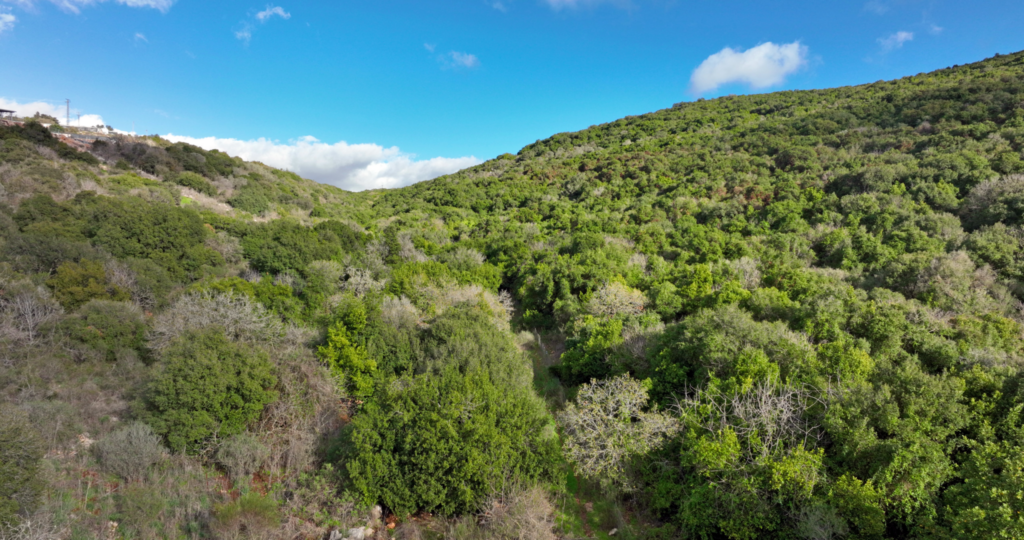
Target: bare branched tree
point(399, 312)
point(776, 413)
point(242, 319)
point(608, 425)
point(360, 282)
point(39, 526)
point(228, 246)
point(24, 308)
point(615, 299)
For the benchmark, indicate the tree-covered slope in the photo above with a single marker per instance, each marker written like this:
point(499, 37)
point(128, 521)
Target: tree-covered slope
point(787, 315)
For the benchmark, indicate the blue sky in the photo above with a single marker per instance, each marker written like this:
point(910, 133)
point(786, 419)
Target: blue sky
point(404, 82)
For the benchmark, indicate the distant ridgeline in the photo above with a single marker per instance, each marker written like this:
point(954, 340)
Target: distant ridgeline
point(787, 315)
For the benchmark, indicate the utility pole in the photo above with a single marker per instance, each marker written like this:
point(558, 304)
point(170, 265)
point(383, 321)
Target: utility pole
point(68, 122)
point(79, 119)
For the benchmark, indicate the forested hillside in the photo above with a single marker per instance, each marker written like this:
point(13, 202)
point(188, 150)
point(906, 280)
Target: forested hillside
point(794, 315)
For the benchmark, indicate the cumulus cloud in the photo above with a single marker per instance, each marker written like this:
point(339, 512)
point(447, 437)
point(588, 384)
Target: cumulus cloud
point(354, 167)
point(466, 60)
point(6, 21)
point(895, 41)
point(246, 28)
point(766, 65)
point(57, 111)
point(75, 6)
point(271, 11)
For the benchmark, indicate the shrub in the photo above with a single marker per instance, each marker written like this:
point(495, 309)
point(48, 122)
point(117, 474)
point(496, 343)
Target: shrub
point(995, 201)
point(77, 283)
point(444, 443)
point(229, 247)
point(242, 455)
point(25, 308)
point(607, 426)
point(988, 503)
point(252, 516)
point(240, 317)
point(196, 182)
point(129, 451)
point(399, 313)
point(44, 253)
point(589, 353)
point(206, 386)
point(107, 327)
point(615, 299)
point(462, 259)
point(20, 454)
point(348, 361)
point(524, 514)
point(464, 338)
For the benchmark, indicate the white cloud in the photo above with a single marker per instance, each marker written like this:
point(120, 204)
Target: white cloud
point(139, 36)
point(266, 14)
point(895, 41)
point(245, 34)
point(57, 111)
point(246, 28)
point(75, 6)
point(354, 167)
point(430, 47)
point(465, 60)
point(935, 29)
point(877, 7)
point(7, 22)
point(766, 65)
point(559, 5)
point(500, 6)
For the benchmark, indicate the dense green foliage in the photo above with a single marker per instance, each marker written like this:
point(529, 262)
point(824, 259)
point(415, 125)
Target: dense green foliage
point(444, 443)
point(20, 454)
point(779, 316)
point(207, 386)
point(107, 326)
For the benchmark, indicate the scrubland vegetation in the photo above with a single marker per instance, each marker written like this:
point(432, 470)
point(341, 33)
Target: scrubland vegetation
point(792, 316)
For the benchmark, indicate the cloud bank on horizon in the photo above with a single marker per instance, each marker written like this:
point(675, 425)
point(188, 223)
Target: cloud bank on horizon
point(759, 67)
point(57, 111)
point(353, 167)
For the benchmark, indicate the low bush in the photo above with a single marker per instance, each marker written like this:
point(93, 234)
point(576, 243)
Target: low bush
point(443, 443)
point(242, 455)
point(129, 451)
point(196, 182)
point(107, 327)
point(240, 316)
point(206, 385)
point(21, 452)
point(252, 516)
point(77, 283)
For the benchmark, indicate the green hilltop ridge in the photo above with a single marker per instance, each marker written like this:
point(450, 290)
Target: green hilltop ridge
point(796, 315)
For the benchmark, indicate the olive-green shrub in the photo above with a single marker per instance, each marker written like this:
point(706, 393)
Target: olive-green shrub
point(207, 386)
